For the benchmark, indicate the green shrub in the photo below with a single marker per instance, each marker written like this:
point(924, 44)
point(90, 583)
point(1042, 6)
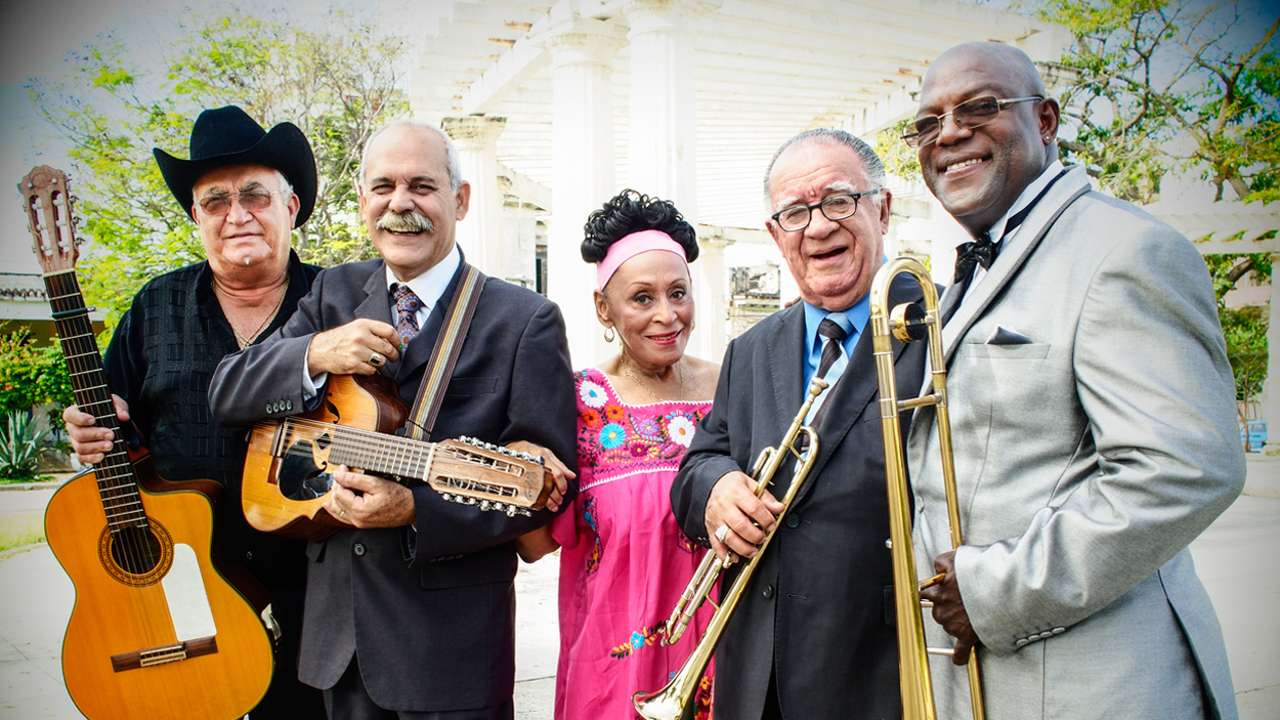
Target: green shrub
point(32, 375)
point(19, 448)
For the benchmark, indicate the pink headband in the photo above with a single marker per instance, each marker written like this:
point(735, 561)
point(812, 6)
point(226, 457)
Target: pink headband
point(630, 246)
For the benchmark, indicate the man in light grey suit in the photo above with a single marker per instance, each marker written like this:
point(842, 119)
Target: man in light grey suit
point(1093, 423)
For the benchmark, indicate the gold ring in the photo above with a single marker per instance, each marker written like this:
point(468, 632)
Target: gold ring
point(376, 359)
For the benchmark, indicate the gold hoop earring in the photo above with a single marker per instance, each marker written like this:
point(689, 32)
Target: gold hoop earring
point(609, 334)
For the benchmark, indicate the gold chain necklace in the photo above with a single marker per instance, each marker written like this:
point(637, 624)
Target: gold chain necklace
point(645, 382)
point(245, 341)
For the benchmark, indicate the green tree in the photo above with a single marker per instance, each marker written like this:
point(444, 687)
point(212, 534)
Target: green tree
point(337, 85)
point(1245, 328)
point(1144, 77)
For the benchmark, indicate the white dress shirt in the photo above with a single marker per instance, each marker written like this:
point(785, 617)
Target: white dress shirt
point(996, 231)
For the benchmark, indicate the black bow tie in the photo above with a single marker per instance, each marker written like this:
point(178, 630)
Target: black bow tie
point(979, 252)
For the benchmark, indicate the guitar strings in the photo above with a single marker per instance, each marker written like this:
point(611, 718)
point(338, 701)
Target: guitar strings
point(89, 383)
point(360, 448)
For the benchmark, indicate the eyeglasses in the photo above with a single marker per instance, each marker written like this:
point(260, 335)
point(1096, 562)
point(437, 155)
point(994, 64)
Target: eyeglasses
point(251, 200)
point(971, 113)
point(833, 207)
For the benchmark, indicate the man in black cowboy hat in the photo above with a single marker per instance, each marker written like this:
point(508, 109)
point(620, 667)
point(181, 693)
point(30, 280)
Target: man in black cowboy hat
point(245, 188)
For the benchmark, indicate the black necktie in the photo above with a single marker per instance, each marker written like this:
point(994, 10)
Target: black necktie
point(831, 330)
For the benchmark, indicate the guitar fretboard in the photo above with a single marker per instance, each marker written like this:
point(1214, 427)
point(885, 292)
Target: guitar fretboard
point(117, 485)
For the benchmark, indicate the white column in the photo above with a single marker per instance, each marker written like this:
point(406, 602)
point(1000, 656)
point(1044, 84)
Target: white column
point(480, 233)
point(662, 138)
point(662, 124)
point(1271, 388)
point(581, 177)
point(712, 296)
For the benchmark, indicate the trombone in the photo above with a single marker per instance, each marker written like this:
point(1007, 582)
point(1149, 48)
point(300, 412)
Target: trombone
point(673, 701)
point(908, 322)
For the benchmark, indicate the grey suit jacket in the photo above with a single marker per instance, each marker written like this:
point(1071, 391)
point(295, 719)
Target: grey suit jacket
point(819, 609)
point(1093, 420)
point(436, 631)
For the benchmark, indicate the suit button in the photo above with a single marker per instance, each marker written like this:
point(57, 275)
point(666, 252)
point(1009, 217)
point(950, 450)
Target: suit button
point(288, 405)
point(793, 521)
point(1058, 630)
point(767, 592)
point(248, 555)
point(268, 408)
point(1022, 642)
point(358, 549)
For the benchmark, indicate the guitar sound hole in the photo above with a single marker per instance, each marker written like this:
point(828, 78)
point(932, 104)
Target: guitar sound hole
point(137, 551)
point(300, 478)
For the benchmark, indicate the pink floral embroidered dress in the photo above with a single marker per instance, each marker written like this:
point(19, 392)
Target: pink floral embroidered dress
point(624, 561)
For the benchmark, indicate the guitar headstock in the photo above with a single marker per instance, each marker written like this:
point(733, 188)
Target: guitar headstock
point(474, 472)
point(46, 201)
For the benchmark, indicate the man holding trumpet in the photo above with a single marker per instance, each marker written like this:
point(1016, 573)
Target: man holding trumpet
point(1092, 416)
point(810, 637)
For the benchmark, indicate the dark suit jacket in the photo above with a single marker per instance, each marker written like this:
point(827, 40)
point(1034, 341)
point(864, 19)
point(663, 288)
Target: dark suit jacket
point(434, 632)
point(819, 609)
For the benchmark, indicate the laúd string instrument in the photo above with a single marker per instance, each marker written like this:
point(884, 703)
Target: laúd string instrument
point(909, 322)
point(675, 700)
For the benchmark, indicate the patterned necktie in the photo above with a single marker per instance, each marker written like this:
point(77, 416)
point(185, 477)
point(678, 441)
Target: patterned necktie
point(407, 306)
point(834, 334)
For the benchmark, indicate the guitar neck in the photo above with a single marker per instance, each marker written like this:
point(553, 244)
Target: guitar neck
point(117, 485)
point(380, 453)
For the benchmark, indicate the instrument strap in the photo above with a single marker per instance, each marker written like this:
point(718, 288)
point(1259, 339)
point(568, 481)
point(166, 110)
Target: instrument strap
point(444, 356)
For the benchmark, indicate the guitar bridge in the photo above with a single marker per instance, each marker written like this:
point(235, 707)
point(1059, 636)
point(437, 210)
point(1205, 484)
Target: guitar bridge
point(165, 654)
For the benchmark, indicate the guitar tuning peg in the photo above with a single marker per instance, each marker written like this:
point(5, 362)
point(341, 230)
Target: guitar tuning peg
point(75, 199)
point(484, 505)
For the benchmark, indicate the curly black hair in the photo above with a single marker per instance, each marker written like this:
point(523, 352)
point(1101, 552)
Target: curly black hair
point(631, 211)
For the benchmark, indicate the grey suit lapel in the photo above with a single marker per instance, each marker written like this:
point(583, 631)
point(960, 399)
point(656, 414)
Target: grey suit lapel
point(376, 304)
point(856, 387)
point(1007, 264)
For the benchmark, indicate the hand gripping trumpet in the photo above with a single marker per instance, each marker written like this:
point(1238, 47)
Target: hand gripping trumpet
point(908, 322)
point(674, 702)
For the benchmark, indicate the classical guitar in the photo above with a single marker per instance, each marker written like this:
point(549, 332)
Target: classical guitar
point(156, 630)
point(287, 478)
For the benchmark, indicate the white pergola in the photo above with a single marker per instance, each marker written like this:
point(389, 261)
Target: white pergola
point(557, 105)
point(556, 108)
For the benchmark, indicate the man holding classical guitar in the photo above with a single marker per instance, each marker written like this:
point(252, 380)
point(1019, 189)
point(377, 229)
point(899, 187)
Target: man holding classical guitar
point(245, 188)
point(410, 607)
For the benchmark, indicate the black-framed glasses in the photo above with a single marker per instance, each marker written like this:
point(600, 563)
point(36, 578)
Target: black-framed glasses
point(251, 200)
point(972, 113)
point(834, 207)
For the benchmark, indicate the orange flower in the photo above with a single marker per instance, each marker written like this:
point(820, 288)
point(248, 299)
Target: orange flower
point(614, 412)
point(591, 418)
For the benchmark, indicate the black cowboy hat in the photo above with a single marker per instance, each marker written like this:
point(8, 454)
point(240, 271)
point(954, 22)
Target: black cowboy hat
point(228, 136)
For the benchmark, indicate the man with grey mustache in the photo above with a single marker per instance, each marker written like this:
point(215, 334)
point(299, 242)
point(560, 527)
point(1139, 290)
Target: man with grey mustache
point(410, 612)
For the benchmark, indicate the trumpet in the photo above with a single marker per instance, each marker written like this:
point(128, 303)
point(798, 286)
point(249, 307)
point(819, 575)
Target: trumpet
point(673, 701)
point(909, 322)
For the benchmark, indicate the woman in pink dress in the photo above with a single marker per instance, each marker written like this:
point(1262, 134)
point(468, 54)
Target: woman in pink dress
point(624, 561)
